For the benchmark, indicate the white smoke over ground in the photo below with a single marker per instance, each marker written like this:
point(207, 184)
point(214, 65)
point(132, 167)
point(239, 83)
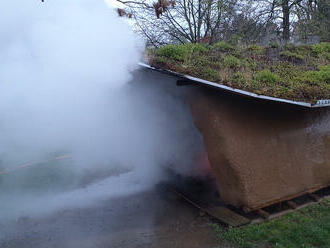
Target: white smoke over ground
point(65, 66)
point(59, 61)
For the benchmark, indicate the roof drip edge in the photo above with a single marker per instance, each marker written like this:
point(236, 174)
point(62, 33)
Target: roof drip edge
point(319, 103)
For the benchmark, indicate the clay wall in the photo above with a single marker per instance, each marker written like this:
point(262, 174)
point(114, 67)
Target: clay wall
point(262, 153)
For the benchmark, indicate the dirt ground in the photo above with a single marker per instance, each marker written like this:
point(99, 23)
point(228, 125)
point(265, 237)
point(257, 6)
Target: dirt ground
point(149, 219)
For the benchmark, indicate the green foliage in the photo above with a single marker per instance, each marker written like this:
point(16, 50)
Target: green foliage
point(161, 60)
point(289, 46)
point(320, 76)
point(274, 45)
point(196, 48)
point(267, 77)
point(223, 46)
point(180, 52)
point(291, 55)
point(201, 61)
point(303, 49)
point(255, 68)
point(231, 62)
point(238, 78)
point(323, 47)
point(308, 227)
point(251, 64)
point(210, 73)
point(176, 52)
point(234, 40)
point(256, 49)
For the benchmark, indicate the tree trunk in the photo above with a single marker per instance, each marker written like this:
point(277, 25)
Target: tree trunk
point(286, 20)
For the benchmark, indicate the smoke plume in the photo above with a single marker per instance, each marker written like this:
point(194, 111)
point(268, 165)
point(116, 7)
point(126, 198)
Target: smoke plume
point(64, 91)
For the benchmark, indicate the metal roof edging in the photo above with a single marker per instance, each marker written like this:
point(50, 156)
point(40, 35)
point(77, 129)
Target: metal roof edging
point(319, 103)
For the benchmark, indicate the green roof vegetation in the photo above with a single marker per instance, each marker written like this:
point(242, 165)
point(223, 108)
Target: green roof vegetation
point(308, 227)
point(300, 73)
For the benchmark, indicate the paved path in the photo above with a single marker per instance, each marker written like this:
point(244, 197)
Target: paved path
point(149, 219)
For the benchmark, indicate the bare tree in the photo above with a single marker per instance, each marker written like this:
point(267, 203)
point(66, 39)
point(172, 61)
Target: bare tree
point(313, 19)
point(281, 11)
point(180, 21)
point(207, 21)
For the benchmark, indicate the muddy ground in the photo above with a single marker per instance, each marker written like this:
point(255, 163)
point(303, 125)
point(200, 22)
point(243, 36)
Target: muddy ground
point(155, 218)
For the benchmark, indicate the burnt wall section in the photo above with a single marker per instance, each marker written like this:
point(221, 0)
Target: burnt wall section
point(262, 153)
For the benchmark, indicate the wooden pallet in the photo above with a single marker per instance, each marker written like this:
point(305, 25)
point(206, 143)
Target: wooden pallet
point(238, 217)
point(221, 213)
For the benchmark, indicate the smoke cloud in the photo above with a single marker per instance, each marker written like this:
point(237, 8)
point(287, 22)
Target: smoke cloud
point(66, 88)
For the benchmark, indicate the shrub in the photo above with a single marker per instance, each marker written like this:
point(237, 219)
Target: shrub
point(256, 49)
point(234, 40)
point(197, 48)
point(251, 64)
point(273, 44)
point(237, 77)
point(161, 60)
point(289, 46)
point(323, 47)
point(176, 52)
point(180, 52)
point(292, 56)
point(324, 73)
point(223, 46)
point(267, 77)
point(210, 74)
point(201, 61)
point(320, 76)
point(231, 62)
point(303, 49)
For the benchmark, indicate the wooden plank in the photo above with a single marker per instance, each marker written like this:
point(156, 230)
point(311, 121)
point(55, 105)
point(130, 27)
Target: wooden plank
point(292, 204)
point(282, 213)
point(184, 197)
point(315, 197)
point(220, 213)
point(263, 213)
point(227, 216)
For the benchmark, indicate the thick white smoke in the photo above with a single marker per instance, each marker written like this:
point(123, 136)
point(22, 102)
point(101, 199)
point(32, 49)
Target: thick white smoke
point(65, 65)
point(59, 61)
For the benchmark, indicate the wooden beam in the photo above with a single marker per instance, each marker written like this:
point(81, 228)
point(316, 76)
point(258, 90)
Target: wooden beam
point(263, 213)
point(315, 197)
point(292, 204)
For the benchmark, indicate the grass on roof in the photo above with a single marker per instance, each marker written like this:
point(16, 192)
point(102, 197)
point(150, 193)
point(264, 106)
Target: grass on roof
point(300, 73)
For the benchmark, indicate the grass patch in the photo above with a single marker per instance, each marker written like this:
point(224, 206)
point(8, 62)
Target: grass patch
point(231, 62)
point(223, 46)
point(322, 75)
point(323, 47)
point(292, 56)
point(180, 52)
point(237, 78)
point(308, 227)
point(256, 49)
point(267, 77)
point(299, 73)
point(173, 52)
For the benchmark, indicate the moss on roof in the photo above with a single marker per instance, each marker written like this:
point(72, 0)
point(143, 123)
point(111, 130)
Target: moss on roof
point(300, 73)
